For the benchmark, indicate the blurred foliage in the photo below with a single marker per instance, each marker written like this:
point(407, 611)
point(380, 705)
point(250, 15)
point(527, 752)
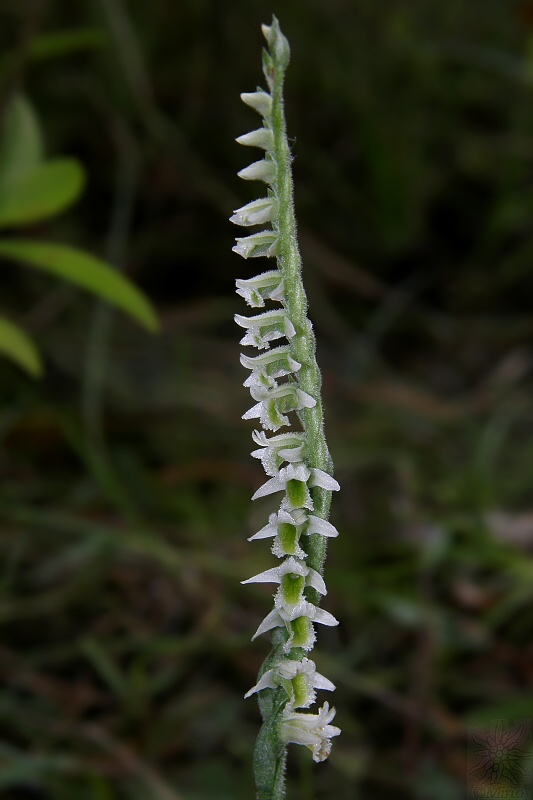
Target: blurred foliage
point(33, 190)
point(126, 474)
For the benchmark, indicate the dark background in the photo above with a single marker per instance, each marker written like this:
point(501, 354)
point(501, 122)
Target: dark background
point(125, 472)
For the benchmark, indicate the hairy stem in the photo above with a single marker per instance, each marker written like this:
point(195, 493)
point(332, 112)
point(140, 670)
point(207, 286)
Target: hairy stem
point(304, 344)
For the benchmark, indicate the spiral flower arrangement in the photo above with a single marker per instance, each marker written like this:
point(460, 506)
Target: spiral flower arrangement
point(284, 382)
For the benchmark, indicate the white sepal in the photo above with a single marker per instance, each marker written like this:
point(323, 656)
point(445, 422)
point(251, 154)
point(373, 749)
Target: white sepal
point(322, 479)
point(290, 565)
point(263, 243)
point(267, 681)
point(255, 213)
point(263, 170)
point(260, 101)
point(262, 137)
point(312, 730)
point(320, 526)
point(272, 620)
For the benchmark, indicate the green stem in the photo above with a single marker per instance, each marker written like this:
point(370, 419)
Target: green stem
point(270, 752)
point(303, 344)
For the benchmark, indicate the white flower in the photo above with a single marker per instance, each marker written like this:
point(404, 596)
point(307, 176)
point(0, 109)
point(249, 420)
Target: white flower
point(287, 527)
point(277, 401)
point(262, 137)
point(264, 328)
point(256, 213)
point(312, 730)
point(295, 480)
point(284, 526)
point(268, 286)
point(299, 679)
point(277, 42)
point(275, 363)
point(263, 170)
point(263, 243)
point(298, 622)
point(275, 450)
point(260, 101)
point(293, 576)
point(292, 480)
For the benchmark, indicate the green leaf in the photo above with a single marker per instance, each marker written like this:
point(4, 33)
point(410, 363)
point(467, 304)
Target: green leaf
point(61, 43)
point(21, 147)
point(49, 188)
point(19, 348)
point(85, 271)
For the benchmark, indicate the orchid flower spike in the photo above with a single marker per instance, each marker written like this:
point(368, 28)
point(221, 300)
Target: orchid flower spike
point(284, 381)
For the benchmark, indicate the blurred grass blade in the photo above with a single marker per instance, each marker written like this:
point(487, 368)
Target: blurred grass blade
point(19, 348)
point(45, 191)
point(62, 43)
point(21, 146)
point(85, 271)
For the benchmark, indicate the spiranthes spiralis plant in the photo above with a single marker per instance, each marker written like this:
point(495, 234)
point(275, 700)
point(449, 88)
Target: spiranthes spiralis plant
point(285, 382)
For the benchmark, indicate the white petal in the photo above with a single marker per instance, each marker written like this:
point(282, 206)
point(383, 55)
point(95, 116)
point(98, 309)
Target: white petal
point(292, 454)
point(296, 472)
point(262, 137)
point(293, 567)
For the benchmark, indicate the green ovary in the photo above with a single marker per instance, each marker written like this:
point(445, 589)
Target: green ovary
point(300, 689)
point(288, 538)
point(297, 493)
point(301, 629)
point(292, 588)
